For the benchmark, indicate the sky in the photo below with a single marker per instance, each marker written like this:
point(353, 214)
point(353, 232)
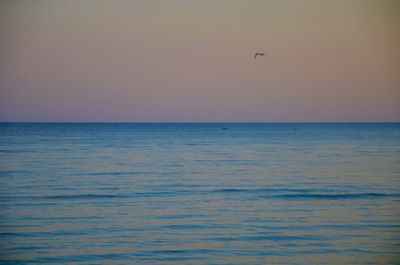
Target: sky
point(193, 61)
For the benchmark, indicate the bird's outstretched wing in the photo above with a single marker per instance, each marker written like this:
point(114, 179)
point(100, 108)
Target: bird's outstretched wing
point(258, 54)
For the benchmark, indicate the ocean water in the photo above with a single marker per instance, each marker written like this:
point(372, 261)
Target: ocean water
point(200, 193)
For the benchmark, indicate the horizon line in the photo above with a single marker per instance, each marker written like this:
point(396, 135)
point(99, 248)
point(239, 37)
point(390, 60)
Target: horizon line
point(200, 121)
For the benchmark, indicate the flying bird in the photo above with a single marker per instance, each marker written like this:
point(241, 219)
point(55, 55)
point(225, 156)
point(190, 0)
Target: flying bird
point(258, 54)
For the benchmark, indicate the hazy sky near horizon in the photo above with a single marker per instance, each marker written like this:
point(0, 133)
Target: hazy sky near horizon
point(186, 60)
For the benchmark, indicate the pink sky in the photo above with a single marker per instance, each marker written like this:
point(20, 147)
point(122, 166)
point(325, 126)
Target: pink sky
point(184, 60)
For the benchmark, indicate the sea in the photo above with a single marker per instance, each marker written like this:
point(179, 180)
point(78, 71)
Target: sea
point(199, 193)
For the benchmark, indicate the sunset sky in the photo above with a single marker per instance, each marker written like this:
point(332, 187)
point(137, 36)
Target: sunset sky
point(187, 60)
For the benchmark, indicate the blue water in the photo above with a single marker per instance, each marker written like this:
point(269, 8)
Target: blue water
point(164, 193)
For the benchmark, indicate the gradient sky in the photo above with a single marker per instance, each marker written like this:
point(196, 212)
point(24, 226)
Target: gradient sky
point(186, 60)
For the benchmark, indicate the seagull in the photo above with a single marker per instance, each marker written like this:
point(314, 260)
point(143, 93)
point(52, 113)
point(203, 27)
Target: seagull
point(258, 54)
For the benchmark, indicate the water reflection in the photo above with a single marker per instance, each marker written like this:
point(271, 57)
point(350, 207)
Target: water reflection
point(196, 194)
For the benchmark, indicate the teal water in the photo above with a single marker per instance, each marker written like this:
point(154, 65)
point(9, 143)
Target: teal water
point(202, 193)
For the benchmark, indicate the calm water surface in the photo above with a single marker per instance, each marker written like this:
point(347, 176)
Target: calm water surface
point(98, 193)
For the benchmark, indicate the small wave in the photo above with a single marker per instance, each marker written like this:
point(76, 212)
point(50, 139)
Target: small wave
point(117, 173)
point(93, 196)
point(81, 196)
point(263, 190)
point(14, 151)
point(231, 190)
point(306, 194)
point(337, 196)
